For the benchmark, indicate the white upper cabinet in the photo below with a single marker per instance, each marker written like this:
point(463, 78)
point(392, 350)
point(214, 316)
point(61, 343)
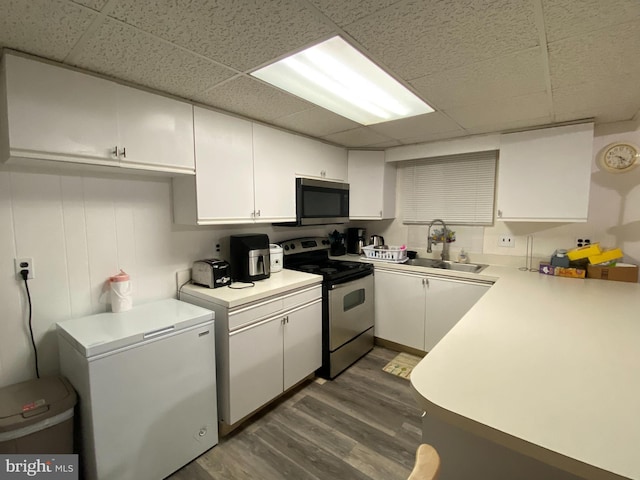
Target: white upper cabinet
point(58, 114)
point(156, 131)
point(372, 186)
point(544, 175)
point(274, 182)
point(224, 168)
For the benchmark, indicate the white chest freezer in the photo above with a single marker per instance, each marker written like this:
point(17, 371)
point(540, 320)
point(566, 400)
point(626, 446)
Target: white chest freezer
point(146, 385)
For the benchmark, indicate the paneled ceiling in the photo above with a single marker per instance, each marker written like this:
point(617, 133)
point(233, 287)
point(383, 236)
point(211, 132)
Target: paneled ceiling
point(484, 65)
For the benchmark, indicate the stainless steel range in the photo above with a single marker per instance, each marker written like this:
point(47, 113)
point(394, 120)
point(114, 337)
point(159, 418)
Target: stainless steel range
point(347, 301)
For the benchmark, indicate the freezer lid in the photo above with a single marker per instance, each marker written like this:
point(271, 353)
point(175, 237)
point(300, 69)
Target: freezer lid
point(97, 334)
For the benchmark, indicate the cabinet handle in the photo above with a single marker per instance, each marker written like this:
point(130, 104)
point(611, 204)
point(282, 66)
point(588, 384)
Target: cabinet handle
point(258, 213)
point(499, 213)
point(323, 173)
point(124, 152)
point(380, 213)
point(115, 151)
point(253, 214)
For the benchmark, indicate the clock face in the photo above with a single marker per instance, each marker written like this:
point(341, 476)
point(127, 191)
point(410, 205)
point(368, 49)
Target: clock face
point(619, 157)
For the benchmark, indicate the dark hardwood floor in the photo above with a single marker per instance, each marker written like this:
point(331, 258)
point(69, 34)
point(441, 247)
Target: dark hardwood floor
point(365, 424)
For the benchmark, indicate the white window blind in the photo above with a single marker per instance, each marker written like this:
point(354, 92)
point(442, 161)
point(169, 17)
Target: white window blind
point(458, 189)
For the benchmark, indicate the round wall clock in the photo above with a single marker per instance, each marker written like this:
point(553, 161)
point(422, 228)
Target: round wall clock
point(618, 157)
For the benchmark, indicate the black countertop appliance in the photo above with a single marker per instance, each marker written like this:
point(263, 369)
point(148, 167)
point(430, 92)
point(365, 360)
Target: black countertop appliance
point(250, 259)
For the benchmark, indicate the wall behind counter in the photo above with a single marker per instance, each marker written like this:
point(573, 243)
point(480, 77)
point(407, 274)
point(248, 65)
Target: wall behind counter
point(80, 230)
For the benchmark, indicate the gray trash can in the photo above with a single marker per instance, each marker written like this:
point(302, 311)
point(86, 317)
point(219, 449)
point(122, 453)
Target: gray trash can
point(36, 417)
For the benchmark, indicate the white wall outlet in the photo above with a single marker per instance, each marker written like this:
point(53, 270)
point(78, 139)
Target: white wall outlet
point(24, 264)
point(506, 241)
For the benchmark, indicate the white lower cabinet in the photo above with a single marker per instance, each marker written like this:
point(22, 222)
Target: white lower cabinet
point(418, 310)
point(271, 356)
point(263, 348)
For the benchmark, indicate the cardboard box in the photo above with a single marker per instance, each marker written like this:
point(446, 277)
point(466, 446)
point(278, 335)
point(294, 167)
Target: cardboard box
point(624, 273)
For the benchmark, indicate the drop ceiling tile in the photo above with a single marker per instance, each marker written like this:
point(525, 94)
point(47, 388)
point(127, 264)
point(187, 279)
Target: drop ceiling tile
point(316, 122)
point(242, 34)
point(509, 110)
point(387, 144)
point(598, 97)
point(567, 18)
point(595, 56)
point(418, 38)
point(48, 28)
point(344, 13)
point(357, 137)
point(511, 75)
point(94, 4)
point(252, 98)
point(124, 52)
point(429, 123)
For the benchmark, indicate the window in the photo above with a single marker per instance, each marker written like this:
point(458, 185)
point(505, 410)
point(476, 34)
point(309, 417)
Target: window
point(458, 189)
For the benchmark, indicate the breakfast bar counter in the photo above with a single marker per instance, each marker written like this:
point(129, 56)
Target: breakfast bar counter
point(548, 367)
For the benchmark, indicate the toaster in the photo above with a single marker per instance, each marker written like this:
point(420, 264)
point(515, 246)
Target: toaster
point(211, 272)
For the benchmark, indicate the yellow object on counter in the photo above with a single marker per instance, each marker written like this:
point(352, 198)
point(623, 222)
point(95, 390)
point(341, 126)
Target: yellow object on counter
point(584, 252)
point(606, 256)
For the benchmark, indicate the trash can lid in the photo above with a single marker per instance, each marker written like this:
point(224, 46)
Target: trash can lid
point(29, 402)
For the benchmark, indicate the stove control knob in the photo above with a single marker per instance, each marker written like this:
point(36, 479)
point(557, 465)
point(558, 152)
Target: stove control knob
point(286, 247)
point(293, 247)
point(324, 242)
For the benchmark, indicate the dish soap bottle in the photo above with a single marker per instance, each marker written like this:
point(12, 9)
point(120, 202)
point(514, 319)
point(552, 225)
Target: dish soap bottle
point(462, 256)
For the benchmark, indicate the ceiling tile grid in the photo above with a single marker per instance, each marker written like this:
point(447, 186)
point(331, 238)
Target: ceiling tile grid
point(511, 75)
point(315, 121)
point(127, 53)
point(48, 28)
point(252, 98)
point(479, 62)
point(241, 34)
point(419, 38)
point(568, 18)
point(603, 54)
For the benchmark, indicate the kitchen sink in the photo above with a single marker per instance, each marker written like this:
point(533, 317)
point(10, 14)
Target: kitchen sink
point(447, 265)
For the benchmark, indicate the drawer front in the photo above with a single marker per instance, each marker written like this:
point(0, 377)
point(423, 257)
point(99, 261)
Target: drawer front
point(254, 313)
point(300, 298)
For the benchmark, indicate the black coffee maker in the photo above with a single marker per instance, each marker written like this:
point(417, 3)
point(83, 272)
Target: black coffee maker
point(356, 239)
point(250, 257)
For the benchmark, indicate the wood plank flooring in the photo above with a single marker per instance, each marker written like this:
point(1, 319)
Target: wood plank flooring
point(365, 424)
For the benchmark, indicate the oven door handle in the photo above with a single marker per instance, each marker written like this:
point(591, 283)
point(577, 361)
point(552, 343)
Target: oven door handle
point(351, 282)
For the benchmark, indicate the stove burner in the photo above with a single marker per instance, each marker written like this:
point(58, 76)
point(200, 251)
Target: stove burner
point(328, 270)
point(308, 268)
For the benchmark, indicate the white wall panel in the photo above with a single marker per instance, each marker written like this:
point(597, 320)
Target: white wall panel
point(77, 255)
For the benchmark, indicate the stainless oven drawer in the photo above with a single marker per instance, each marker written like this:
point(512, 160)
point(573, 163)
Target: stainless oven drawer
point(350, 308)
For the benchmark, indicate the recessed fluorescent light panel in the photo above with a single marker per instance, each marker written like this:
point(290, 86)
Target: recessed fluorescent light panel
point(336, 76)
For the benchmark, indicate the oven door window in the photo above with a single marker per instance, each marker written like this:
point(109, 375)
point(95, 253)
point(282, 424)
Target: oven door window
point(353, 299)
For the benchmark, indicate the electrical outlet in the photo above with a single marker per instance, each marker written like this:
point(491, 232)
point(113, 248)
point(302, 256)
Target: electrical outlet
point(583, 241)
point(24, 264)
point(506, 241)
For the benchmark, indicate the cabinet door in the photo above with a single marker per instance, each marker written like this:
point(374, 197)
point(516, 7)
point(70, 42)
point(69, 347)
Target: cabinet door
point(255, 367)
point(59, 114)
point(372, 184)
point(274, 167)
point(224, 168)
point(545, 175)
point(400, 308)
point(447, 302)
point(302, 343)
point(157, 132)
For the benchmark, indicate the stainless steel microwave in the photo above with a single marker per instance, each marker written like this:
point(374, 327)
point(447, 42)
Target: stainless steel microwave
point(321, 202)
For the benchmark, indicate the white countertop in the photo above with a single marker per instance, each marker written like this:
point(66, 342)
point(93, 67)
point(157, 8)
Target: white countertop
point(545, 365)
point(279, 282)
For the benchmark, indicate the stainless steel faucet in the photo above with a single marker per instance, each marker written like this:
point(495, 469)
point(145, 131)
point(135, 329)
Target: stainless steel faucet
point(445, 246)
